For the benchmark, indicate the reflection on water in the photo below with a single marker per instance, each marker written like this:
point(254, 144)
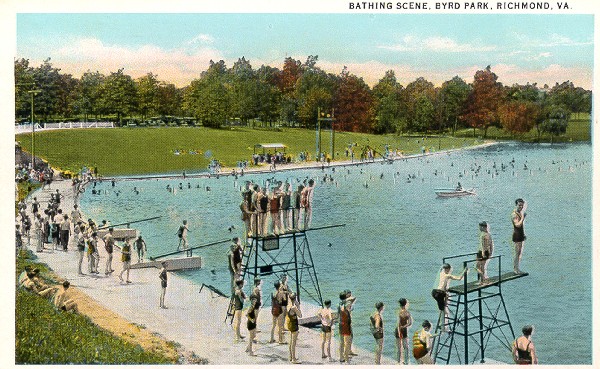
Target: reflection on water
point(397, 232)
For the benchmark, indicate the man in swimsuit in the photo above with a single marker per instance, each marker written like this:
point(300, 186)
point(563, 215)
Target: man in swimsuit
point(109, 243)
point(326, 317)
point(486, 248)
point(518, 237)
point(523, 349)
point(440, 294)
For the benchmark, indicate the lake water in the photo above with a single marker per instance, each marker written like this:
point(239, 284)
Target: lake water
point(397, 232)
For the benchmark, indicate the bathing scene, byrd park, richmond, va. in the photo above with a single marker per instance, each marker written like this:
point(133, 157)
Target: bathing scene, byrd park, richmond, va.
point(284, 189)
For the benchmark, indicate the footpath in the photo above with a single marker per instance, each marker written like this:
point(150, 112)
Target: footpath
point(195, 320)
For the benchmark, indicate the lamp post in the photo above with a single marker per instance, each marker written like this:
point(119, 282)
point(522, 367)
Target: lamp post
point(33, 93)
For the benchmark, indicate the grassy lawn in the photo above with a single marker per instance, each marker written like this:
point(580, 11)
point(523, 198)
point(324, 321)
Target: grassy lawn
point(45, 335)
point(122, 151)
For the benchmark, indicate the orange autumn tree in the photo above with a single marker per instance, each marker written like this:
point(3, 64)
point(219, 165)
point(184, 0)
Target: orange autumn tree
point(518, 117)
point(354, 104)
point(481, 109)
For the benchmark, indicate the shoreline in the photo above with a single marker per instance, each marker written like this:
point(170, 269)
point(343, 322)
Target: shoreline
point(210, 338)
point(227, 171)
point(195, 318)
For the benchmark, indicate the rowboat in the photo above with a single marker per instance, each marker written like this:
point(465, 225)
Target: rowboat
point(454, 192)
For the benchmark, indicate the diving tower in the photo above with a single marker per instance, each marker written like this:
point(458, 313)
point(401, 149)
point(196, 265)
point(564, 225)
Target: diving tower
point(477, 315)
point(285, 254)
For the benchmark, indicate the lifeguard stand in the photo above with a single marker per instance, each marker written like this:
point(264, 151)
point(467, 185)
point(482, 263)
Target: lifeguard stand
point(477, 313)
point(287, 253)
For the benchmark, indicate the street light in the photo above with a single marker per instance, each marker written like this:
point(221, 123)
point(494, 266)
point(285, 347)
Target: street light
point(33, 93)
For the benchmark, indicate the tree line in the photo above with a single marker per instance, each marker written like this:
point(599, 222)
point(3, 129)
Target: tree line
point(294, 94)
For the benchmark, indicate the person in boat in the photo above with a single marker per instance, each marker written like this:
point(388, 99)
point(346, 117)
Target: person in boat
point(523, 349)
point(459, 187)
point(518, 237)
point(440, 294)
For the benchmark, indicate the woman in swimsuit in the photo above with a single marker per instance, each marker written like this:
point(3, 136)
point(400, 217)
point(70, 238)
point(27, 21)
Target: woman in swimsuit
point(523, 349)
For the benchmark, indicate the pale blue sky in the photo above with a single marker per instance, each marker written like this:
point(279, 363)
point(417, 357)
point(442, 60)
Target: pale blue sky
point(520, 48)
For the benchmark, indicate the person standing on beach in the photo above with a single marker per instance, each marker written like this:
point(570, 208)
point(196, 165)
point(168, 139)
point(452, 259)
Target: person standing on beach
point(518, 237)
point(126, 259)
point(404, 322)
point(140, 246)
point(109, 243)
point(377, 331)
point(182, 234)
point(38, 232)
point(276, 312)
point(486, 248)
point(440, 294)
point(345, 329)
point(257, 295)
point(80, 242)
point(251, 326)
point(326, 317)
point(93, 256)
point(238, 304)
point(523, 349)
point(162, 275)
point(65, 231)
point(75, 215)
point(293, 313)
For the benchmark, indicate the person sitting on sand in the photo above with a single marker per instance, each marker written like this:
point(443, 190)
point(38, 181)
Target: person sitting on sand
point(63, 299)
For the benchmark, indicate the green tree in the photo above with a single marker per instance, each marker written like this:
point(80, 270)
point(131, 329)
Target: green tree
point(314, 89)
point(147, 95)
point(556, 121)
point(118, 95)
point(88, 94)
point(386, 95)
point(424, 114)
point(48, 81)
point(269, 95)
point(207, 98)
point(24, 81)
point(453, 96)
point(414, 96)
point(169, 99)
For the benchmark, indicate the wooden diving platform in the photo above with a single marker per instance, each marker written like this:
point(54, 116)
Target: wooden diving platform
point(173, 265)
point(120, 234)
point(492, 281)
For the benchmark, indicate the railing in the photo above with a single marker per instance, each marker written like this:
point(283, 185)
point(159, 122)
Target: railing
point(26, 128)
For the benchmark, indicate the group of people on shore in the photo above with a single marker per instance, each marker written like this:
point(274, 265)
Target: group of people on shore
point(276, 208)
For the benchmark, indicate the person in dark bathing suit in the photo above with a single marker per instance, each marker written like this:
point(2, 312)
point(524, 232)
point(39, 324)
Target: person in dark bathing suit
point(518, 237)
point(523, 348)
